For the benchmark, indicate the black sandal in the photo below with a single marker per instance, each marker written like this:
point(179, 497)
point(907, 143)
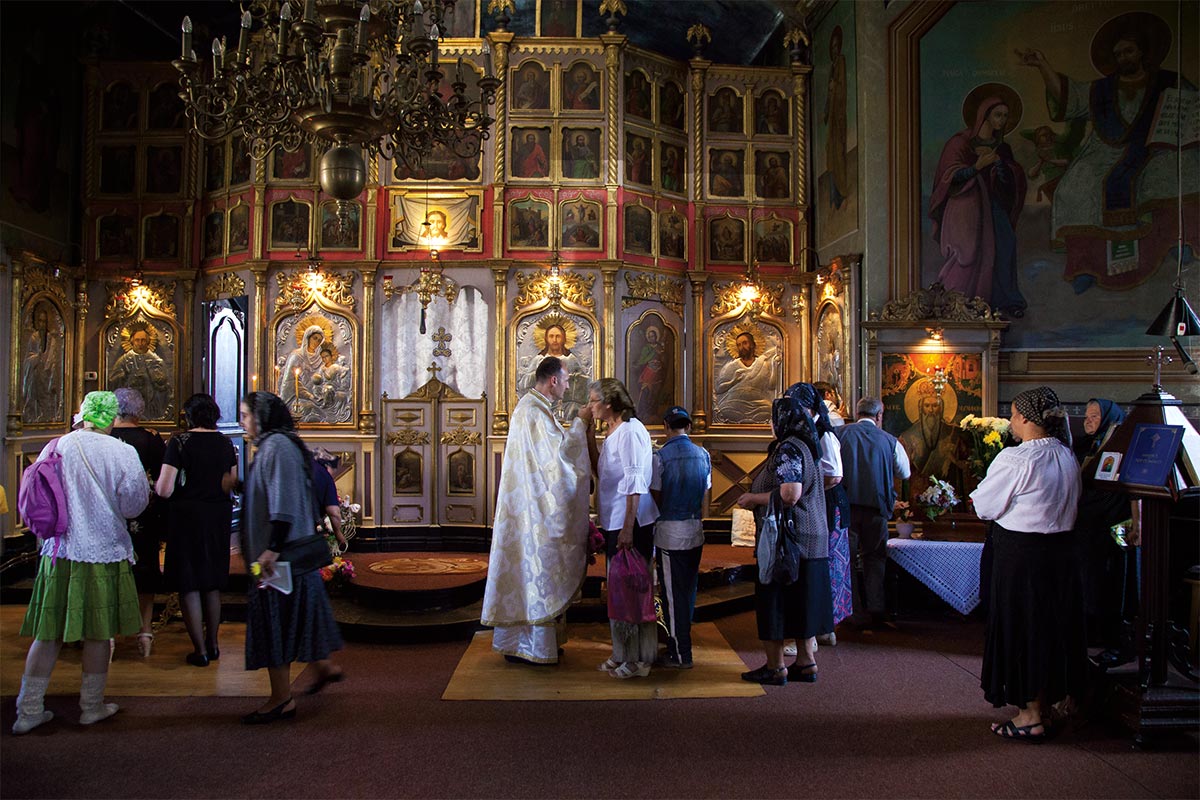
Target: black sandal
point(264, 717)
point(803, 673)
point(1020, 733)
point(767, 675)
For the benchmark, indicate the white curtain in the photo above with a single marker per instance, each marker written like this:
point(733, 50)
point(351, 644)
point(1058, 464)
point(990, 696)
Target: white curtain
point(406, 353)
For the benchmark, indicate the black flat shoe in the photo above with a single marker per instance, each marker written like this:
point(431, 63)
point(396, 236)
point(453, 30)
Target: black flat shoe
point(322, 681)
point(803, 673)
point(265, 717)
point(196, 659)
point(768, 676)
point(214, 654)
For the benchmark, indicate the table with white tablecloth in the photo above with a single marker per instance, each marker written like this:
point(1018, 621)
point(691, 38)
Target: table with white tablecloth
point(949, 569)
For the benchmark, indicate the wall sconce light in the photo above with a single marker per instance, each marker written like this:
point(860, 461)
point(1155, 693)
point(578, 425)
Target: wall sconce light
point(935, 334)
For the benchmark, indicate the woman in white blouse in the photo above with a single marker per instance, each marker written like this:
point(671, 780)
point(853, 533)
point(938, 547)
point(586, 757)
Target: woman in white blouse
point(1035, 652)
point(625, 511)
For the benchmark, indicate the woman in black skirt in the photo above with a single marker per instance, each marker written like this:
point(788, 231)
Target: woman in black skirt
point(199, 470)
point(279, 509)
point(147, 530)
point(802, 609)
point(1035, 651)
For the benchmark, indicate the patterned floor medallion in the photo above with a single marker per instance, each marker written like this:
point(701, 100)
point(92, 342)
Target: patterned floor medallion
point(438, 565)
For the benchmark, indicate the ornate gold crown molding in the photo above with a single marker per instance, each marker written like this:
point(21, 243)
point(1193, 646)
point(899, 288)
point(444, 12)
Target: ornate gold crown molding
point(124, 299)
point(665, 290)
point(569, 286)
point(228, 284)
point(298, 288)
point(727, 298)
point(937, 303)
point(39, 278)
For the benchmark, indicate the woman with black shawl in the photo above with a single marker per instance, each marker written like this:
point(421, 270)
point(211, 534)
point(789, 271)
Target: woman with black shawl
point(278, 512)
point(1110, 586)
point(1035, 651)
point(787, 608)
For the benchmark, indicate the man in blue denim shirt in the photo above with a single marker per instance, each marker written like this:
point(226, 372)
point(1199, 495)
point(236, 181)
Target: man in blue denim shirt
point(680, 484)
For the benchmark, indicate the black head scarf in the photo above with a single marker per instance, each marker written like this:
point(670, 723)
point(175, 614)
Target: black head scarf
point(1111, 415)
point(1041, 407)
point(791, 421)
point(272, 417)
point(810, 398)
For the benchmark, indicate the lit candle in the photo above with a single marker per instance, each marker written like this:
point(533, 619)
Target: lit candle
point(364, 17)
point(285, 24)
point(187, 38)
point(244, 36)
point(297, 374)
point(254, 383)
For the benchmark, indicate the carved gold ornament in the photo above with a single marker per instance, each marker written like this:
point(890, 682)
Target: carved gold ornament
point(938, 302)
point(494, 7)
point(665, 290)
point(730, 297)
point(42, 279)
point(571, 286)
point(127, 298)
point(408, 436)
point(227, 283)
point(462, 436)
point(698, 35)
point(299, 288)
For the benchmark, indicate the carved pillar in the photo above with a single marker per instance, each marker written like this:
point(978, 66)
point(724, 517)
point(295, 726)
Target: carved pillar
point(259, 324)
point(14, 367)
point(699, 68)
point(800, 74)
point(81, 313)
point(609, 272)
point(501, 42)
point(370, 211)
point(699, 280)
point(258, 218)
point(613, 44)
point(186, 323)
point(500, 378)
point(366, 414)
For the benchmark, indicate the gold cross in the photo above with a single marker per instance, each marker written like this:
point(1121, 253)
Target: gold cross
point(442, 338)
point(433, 369)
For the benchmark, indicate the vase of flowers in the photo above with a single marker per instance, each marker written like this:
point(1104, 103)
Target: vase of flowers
point(339, 575)
point(904, 519)
point(939, 498)
point(987, 436)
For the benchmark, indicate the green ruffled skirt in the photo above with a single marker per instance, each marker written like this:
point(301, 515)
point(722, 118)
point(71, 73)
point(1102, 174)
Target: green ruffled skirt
point(74, 600)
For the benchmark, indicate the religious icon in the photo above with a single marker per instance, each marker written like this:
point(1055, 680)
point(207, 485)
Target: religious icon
point(441, 164)
point(166, 109)
point(144, 361)
point(528, 224)
point(773, 240)
point(558, 17)
point(580, 225)
point(672, 235)
point(727, 240)
point(289, 224)
point(672, 168)
point(119, 109)
point(239, 229)
point(460, 478)
point(771, 174)
point(671, 107)
point(340, 229)
point(570, 338)
point(294, 166)
point(725, 178)
point(580, 153)
point(118, 164)
point(639, 222)
point(315, 378)
point(240, 163)
point(637, 94)
point(161, 237)
point(407, 478)
point(725, 112)
point(581, 88)
point(639, 159)
point(115, 236)
point(214, 234)
point(530, 159)
point(214, 167)
point(771, 113)
point(829, 341)
point(532, 92)
point(747, 362)
point(164, 170)
point(43, 364)
point(649, 372)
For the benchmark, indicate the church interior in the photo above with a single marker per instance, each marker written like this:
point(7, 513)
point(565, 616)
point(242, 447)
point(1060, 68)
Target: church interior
point(709, 200)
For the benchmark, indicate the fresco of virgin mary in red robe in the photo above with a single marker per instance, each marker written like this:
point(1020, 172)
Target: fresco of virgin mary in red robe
point(978, 196)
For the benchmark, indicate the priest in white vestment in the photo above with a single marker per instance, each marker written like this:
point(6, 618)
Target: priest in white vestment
point(539, 536)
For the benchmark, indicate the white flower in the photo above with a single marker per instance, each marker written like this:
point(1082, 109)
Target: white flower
point(355, 507)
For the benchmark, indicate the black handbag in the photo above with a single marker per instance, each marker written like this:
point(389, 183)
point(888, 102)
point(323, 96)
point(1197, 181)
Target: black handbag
point(306, 554)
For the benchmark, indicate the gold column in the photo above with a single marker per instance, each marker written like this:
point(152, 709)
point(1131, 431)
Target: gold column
point(371, 211)
point(800, 74)
point(81, 313)
point(15, 405)
point(259, 270)
point(608, 270)
point(699, 68)
point(699, 280)
point(613, 44)
point(499, 382)
point(366, 413)
point(186, 322)
point(501, 41)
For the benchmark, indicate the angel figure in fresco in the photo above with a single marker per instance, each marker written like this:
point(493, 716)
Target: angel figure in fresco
point(1054, 153)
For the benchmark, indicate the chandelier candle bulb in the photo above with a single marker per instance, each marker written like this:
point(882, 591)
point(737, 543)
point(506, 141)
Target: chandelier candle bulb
point(216, 50)
point(487, 59)
point(285, 23)
point(310, 10)
point(187, 37)
point(244, 37)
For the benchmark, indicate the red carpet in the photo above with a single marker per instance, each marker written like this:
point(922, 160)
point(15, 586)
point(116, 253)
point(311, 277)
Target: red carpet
point(893, 715)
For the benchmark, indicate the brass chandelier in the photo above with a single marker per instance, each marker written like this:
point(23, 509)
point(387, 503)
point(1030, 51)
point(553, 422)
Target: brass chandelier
point(344, 75)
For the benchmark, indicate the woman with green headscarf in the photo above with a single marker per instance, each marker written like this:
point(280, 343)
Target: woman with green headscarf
point(84, 590)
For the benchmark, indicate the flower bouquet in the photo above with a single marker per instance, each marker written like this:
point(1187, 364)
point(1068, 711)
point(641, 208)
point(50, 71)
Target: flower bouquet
point(350, 514)
point(338, 575)
point(938, 498)
point(988, 436)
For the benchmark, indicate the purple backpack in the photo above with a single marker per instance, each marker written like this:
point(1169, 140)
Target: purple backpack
point(42, 500)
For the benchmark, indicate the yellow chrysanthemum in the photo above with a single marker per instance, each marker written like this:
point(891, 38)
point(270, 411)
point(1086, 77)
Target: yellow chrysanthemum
point(993, 437)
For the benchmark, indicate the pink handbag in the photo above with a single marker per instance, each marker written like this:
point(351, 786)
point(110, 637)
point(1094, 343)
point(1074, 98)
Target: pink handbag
point(630, 589)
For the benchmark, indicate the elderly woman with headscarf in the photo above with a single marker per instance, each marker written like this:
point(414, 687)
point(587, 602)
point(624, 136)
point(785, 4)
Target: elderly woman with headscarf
point(1035, 652)
point(802, 609)
point(837, 505)
point(147, 530)
point(1110, 588)
point(278, 516)
point(84, 589)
